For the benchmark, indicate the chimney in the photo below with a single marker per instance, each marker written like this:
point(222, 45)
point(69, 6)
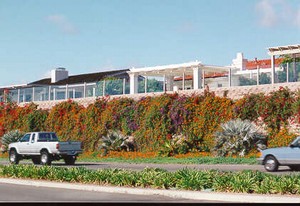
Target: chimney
point(59, 74)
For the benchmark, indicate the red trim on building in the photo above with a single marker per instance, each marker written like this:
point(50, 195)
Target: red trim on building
point(263, 64)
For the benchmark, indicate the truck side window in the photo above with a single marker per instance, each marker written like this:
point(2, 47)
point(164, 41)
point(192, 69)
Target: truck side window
point(42, 137)
point(25, 138)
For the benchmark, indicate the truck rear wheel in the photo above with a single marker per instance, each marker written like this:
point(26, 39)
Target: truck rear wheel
point(70, 160)
point(14, 157)
point(45, 158)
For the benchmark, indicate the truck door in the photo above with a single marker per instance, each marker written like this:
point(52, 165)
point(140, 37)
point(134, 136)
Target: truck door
point(32, 147)
point(24, 143)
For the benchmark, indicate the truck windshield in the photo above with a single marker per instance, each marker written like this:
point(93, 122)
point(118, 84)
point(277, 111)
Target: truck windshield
point(47, 137)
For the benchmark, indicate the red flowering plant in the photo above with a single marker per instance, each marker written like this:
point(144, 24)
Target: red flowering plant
point(209, 114)
point(155, 124)
point(247, 108)
point(276, 108)
point(64, 120)
point(92, 127)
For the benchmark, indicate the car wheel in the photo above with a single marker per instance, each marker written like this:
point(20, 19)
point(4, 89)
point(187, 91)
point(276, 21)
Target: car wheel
point(271, 164)
point(45, 158)
point(70, 160)
point(14, 157)
point(295, 167)
point(36, 160)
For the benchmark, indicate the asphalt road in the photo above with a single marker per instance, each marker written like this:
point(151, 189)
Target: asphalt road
point(283, 170)
point(24, 193)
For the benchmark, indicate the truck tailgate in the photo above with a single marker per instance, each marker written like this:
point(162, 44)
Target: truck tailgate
point(69, 147)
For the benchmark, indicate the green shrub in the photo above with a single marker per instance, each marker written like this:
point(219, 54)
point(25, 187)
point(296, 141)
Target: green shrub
point(177, 145)
point(113, 141)
point(188, 179)
point(10, 137)
point(237, 137)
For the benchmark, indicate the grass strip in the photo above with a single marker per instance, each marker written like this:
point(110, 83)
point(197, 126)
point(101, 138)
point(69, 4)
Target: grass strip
point(186, 179)
point(173, 160)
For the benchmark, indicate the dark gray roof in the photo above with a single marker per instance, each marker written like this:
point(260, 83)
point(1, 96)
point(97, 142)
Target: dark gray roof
point(84, 78)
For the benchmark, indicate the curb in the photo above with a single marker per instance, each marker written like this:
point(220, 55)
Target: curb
point(194, 195)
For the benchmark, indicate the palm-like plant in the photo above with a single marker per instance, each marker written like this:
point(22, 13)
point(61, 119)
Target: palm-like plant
point(10, 137)
point(237, 137)
point(114, 141)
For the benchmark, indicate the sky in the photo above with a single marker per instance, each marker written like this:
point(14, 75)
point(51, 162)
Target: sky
point(86, 36)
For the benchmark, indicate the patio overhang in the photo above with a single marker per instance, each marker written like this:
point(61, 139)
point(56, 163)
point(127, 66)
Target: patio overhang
point(168, 72)
point(284, 50)
point(176, 69)
point(290, 50)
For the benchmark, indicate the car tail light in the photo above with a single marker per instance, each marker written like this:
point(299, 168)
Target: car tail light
point(57, 146)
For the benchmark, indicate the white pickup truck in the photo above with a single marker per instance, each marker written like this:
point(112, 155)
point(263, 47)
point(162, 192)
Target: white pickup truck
point(43, 148)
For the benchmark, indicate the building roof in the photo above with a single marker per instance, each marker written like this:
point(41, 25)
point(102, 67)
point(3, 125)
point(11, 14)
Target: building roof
point(84, 78)
point(263, 64)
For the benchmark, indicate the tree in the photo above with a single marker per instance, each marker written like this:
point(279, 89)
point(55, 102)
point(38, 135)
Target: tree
point(153, 85)
point(246, 82)
point(264, 79)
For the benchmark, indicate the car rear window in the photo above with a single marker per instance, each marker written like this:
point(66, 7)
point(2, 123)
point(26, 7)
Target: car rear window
point(47, 137)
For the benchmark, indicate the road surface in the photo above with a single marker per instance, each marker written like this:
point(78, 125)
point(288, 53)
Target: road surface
point(283, 170)
point(25, 193)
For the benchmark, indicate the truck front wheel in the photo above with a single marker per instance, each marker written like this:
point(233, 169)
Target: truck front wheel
point(45, 158)
point(70, 160)
point(14, 157)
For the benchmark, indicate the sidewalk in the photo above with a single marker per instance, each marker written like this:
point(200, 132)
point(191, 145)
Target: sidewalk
point(194, 195)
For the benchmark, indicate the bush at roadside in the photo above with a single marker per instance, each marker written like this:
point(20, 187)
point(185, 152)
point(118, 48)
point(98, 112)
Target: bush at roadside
point(187, 179)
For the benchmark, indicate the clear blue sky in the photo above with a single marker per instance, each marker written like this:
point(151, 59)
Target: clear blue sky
point(86, 36)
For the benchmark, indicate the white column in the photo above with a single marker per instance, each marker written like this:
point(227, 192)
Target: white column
point(169, 83)
point(183, 81)
point(103, 88)
point(287, 72)
point(32, 94)
point(146, 83)
point(54, 94)
point(203, 78)
point(18, 96)
point(257, 75)
point(272, 69)
point(197, 79)
point(229, 77)
point(133, 83)
point(24, 95)
point(294, 69)
point(84, 90)
point(66, 95)
point(124, 86)
point(49, 96)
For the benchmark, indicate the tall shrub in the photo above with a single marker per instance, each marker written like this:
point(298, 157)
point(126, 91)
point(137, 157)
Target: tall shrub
point(276, 109)
point(64, 120)
point(155, 126)
point(93, 128)
point(248, 107)
point(210, 113)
